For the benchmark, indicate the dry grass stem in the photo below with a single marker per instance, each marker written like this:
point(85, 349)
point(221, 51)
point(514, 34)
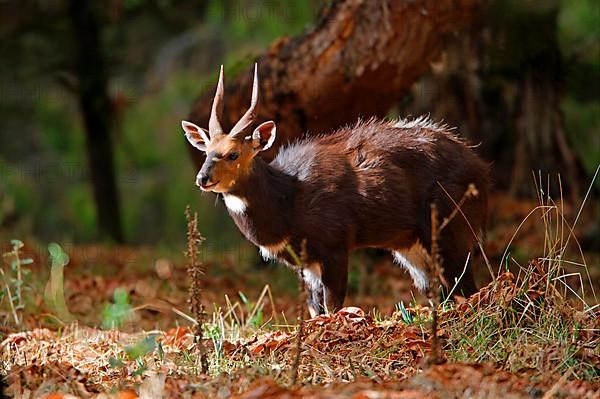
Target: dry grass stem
point(195, 274)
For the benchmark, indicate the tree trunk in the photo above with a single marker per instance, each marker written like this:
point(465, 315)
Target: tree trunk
point(358, 61)
point(95, 106)
point(504, 93)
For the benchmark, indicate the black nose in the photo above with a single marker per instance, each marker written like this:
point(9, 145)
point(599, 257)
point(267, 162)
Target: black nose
point(204, 179)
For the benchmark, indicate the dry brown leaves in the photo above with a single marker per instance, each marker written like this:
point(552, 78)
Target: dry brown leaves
point(79, 358)
point(501, 293)
point(442, 381)
point(346, 345)
point(346, 354)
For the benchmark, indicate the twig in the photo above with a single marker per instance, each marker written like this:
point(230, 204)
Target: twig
point(435, 276)
point(435, 250)
point(470, 192)
point(458, 280)
point(19, 277)
point(259, 304)
point(185, 316)
point(195, 273)
point(477, 238)
point(301, 263)
point(435, 356)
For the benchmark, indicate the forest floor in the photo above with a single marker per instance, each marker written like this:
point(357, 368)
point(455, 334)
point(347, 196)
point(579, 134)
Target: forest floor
point(114, 322)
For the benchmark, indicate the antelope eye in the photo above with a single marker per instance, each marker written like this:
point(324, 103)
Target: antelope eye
point(233, 156)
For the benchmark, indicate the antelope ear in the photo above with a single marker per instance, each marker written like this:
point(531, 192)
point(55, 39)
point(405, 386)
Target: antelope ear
point(264, 136)
point(197, 136)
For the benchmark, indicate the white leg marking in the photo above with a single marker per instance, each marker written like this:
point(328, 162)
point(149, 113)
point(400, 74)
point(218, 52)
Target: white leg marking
point(419, 277)
point(313, 312)
point(312, 276)
point(265, 253)
point(312, 279)
point(269, 252)
point(235, 204)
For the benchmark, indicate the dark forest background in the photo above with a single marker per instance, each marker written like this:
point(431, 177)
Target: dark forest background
point(92, 95)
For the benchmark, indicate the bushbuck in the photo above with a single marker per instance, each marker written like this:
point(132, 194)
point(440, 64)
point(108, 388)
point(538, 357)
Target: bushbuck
point(367, 185)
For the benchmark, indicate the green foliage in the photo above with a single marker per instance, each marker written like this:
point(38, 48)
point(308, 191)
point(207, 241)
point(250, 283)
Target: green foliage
point(14, 279)
point(579, 38)
point(151, 153)
point(154, 155)
point(259, 22)
point(118, 312)
point(579, 29)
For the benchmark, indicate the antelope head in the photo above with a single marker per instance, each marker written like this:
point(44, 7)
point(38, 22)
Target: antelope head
point(229, 156)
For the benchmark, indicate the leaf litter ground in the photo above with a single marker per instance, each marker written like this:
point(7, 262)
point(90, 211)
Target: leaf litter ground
point(517, 338)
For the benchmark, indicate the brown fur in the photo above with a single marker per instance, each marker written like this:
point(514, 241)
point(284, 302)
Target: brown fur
point(226, 173)
point(370, 185)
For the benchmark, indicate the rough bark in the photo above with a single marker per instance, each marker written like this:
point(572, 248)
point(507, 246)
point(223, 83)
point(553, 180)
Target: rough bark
point(95, 106)
point(358, 61)
point(504, 94)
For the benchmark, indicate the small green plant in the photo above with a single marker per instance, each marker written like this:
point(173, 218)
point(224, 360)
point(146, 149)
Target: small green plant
point(141, 348)
point(115, 314)
point(13, 285)
point(115, 362)
point(136, 352)
point(54, 295)
point(407, 318)
point(256, 317)
point(378, 317)
point(215, 333)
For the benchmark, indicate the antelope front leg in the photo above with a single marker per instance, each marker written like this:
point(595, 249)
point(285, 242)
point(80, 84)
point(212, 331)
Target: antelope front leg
point(312, 280)
point(326, 282)
point(315, 299)
point(335, 281)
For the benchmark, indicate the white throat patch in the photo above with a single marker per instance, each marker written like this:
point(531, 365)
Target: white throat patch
point(235, 204)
